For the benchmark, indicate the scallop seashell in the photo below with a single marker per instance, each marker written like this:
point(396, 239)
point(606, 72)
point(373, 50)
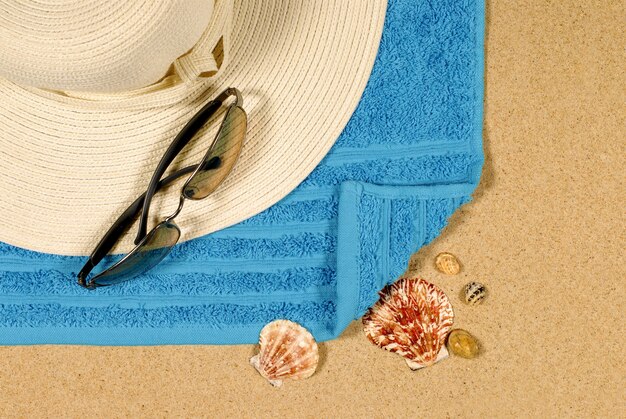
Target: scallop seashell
point(463, 344)
point(412, 318)
point(447, 263)
point(474, 293)
point(288, 351)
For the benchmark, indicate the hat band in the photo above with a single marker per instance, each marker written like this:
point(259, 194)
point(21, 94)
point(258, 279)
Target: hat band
point(189, 72)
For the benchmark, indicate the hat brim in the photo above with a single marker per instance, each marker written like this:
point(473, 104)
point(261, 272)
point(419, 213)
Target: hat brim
point(68, 169)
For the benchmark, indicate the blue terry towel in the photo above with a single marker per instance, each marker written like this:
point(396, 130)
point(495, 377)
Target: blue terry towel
point(410, 155)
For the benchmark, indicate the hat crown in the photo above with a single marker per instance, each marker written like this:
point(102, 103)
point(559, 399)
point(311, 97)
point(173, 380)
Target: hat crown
point(97, 46)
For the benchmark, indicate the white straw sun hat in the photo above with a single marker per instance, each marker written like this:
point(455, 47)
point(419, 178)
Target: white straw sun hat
point(92, 93)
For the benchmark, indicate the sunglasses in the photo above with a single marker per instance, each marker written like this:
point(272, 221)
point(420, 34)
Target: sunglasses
point(151, 247)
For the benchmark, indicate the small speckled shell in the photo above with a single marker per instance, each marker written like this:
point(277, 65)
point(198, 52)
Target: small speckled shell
point(474, 293)
point(463, 344)
point(288, 351)
point(447, 263)
point(412, 318)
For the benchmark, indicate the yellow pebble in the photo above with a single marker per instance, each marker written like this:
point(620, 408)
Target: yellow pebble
point(463, 344)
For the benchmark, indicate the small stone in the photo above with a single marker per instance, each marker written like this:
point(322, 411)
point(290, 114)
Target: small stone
point(462, 343)
point(447, 263)
point(474, 293)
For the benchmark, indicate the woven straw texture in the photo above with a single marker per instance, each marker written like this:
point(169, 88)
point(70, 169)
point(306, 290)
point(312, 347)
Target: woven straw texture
point(97, 46)
point(73, 160)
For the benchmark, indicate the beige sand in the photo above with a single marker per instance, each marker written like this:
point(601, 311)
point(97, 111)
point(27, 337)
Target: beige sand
point(546, 234)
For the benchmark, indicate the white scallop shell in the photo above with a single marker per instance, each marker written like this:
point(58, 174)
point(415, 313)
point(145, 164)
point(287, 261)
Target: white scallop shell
point(412, 318)
point(288, 351)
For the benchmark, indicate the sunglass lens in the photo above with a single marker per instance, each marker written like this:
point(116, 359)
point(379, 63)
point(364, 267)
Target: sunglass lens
point(144, 257)
point(227, 148)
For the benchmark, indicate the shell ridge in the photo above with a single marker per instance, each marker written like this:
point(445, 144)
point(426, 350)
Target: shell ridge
point(289, 357)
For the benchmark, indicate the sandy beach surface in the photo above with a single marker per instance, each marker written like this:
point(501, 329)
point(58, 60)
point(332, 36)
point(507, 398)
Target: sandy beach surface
point(545, 234)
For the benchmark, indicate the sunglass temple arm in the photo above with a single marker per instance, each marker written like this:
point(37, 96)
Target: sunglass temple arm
point(121, 224)
point(181, 140)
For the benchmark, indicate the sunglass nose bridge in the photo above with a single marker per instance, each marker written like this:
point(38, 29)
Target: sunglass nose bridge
point(181, 204)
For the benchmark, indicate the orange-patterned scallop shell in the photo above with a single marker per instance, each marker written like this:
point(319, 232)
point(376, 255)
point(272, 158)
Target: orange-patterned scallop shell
point(412, 318)
point(288, 351)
